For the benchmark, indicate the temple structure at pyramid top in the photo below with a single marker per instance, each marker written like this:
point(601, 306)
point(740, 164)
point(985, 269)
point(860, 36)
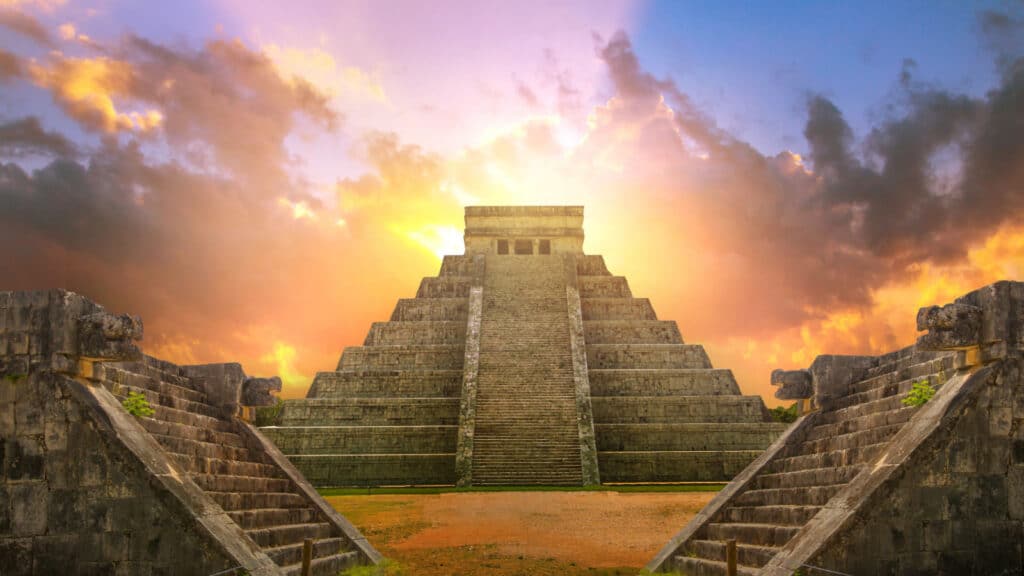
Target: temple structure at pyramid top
point(524, 361)
point(524, 230)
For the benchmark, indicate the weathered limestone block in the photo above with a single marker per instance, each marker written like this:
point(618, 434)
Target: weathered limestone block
point(444, 287)
point(260, 391)
point(604, 287)
point(832, 374)
point(420, 309)
point(617, 309)
point(591, 265)
point(105, 336)
point(793, 384)
point(221, 382)
point(950, 327)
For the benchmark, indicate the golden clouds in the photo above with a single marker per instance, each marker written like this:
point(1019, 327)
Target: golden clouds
point(86, 89)
point(319, 68)
point(282, 359)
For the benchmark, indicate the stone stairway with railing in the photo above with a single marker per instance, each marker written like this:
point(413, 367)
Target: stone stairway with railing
point(526, 416)
point(389, 413)
point(661, 411)
point(768, 509)
point(230, 467)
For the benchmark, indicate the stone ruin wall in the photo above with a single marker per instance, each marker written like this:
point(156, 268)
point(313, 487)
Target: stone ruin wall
point(71, 495)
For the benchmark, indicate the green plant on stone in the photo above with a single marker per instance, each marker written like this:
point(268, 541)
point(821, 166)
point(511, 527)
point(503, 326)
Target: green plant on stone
point(784, 414)
point(137, 405)
point(920, 392)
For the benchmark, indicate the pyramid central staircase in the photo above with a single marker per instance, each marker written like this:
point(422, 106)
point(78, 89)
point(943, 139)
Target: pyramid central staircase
point(526, 421)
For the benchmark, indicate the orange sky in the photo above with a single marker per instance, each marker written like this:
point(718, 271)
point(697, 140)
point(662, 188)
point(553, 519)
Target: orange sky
point(264, 194)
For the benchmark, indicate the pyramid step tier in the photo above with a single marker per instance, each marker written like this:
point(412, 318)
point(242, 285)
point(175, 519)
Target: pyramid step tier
point(631, 332)
point(603, 287)
point(701, 436)
point(420, 357)
point(387, 384)
point(416, 333)
point(370, 412)
point(677, 409)
point(617, 309)
point(662, 382)
point(420, 309)
point(669, 356)
point(363, 439)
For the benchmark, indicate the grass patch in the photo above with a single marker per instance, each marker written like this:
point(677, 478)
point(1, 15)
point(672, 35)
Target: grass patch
point(385, 568)
point(370, 491)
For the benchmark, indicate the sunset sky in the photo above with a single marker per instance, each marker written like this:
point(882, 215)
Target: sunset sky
point(261, 181)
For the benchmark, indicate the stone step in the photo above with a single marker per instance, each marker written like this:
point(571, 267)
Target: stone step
point(415, 309)
point(292, 553)
point(376, 469)
point(662, 382)
point(156, 369)
point(810, 477)
point(371, 412)
point(416, 333)
point(230, 501)
point(674, 466)
point(604, 356)
point(755, 534)
point(177, 416)
point(458, 266)
point(265, 517)
point(914, 371)
point(165, 428)
point(225, 483)
point(591, 265)
point(326, 566)
point(421, 357)
point(444, 287)
point(892, 417)
point(631, 332)
point(363, 439)
point(199, 449)
point(694, 566)
point(687, 436)
point(850, 440)
point(387, 384)
point(285, 534)
point(677, 409)
point(785, 515)
point(115, 373)
point(176, 402)
point(603, 287)
point(794, 459)
point(802, 496)
point(884, 404)
point(217, 466)
point(746, 554)
point(617, 309)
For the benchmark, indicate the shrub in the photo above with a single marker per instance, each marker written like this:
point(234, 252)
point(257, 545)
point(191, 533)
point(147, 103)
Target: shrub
point(920, 392)
point(137, 405)
point(784, 414)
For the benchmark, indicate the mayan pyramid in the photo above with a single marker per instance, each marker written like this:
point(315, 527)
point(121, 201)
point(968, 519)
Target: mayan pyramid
point(524, 362)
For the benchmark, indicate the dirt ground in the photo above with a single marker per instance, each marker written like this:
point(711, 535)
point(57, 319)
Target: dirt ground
point(521, 533)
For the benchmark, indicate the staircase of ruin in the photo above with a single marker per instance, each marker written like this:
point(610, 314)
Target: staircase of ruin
point(221, 456)
point(661, 411)
point(526, 421)
point(389, 413)
point(777, 498)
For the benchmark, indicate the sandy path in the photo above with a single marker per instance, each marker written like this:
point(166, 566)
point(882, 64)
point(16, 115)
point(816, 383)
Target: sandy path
point(587, 529)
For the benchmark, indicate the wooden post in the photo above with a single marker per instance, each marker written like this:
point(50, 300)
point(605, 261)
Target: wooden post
point(307, 556)
point(730, 557)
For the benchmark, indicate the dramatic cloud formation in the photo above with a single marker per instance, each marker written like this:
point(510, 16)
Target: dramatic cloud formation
point(188, 205)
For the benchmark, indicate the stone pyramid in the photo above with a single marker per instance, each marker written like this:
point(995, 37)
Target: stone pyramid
point(524, 362)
